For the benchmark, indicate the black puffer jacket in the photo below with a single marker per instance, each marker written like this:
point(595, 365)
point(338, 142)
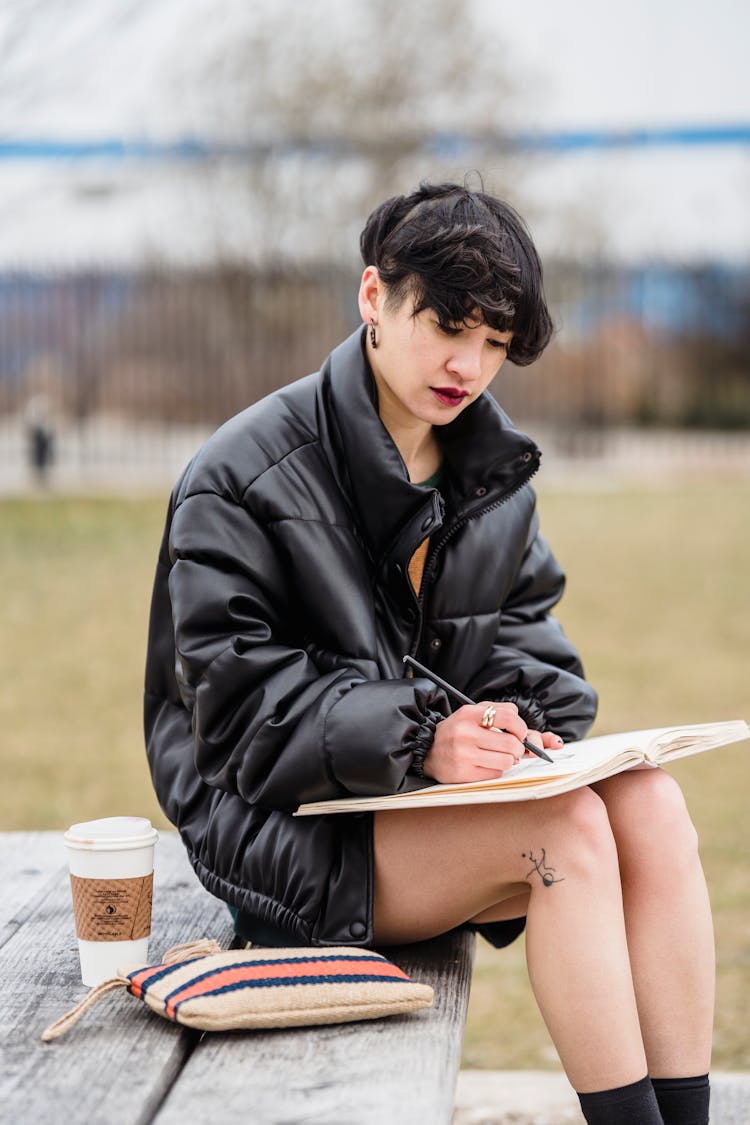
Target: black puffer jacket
point(282, 609)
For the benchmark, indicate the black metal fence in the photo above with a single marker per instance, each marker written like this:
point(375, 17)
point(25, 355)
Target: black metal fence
point(123, 374)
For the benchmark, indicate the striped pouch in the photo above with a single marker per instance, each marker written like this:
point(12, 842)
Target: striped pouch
point(200, 985)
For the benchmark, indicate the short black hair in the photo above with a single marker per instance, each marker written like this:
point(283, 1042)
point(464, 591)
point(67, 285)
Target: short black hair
point(464, 254)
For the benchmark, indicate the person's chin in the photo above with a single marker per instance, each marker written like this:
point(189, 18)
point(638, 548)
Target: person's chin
point(441, 413)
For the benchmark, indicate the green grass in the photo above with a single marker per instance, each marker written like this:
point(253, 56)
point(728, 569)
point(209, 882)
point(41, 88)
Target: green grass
point(657, 601)
point(76, 578)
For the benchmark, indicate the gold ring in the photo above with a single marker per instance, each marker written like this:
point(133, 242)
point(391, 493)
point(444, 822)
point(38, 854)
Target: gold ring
point(488, 718)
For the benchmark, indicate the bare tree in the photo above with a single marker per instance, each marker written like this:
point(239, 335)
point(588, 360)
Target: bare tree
point(340, 104)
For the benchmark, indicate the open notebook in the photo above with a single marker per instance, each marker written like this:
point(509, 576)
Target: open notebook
point(577, 764)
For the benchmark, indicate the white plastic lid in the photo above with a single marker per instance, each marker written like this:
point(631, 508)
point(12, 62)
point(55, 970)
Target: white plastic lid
point(112, 833)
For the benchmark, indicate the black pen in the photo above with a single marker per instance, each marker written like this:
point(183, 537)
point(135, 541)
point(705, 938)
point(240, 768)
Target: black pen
point(465, 699)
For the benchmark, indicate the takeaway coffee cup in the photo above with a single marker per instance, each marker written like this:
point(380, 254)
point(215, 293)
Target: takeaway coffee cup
point(111, 876)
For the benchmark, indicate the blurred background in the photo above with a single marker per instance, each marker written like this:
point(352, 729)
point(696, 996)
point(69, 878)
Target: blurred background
point(183, 183)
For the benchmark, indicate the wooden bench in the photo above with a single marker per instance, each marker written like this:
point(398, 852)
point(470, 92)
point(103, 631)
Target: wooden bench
point(123, 1065)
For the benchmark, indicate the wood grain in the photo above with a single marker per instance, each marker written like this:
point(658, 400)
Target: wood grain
point(31, 866)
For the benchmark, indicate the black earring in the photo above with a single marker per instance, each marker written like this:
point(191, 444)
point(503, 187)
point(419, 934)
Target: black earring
point(373, 337)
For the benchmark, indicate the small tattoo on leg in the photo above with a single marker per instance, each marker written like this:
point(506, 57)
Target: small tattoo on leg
point(542, 868)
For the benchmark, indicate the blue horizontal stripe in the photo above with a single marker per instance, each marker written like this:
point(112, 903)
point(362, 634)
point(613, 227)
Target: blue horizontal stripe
point(634, 138)
point(200, 149)
point(112, 148)
point(157, 976)
point(365, 955)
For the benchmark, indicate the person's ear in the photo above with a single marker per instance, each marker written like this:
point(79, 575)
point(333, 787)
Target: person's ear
point(370, 295)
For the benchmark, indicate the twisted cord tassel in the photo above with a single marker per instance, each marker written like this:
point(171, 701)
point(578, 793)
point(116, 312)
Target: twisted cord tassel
point(71, 1018)
point(188, 951)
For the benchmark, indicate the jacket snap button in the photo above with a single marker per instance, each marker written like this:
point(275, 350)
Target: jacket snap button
point(481, 491)
point(435, 644)
point(358, 929)
point(427, 523)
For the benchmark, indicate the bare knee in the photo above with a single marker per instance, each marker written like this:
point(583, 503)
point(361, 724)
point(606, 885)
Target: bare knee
point(575, 837)
point(651, 822)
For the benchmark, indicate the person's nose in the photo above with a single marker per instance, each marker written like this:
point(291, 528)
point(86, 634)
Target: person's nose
point(465, 362)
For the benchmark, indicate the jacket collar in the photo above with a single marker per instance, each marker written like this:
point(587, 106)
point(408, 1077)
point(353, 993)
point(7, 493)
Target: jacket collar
point(486, 457)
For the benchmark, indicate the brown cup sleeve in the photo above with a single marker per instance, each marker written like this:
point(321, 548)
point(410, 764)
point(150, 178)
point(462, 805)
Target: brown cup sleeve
point(112, 909)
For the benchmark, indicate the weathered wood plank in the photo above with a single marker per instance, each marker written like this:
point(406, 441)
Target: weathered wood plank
point(115, 1067)
point(30, 862)
point(398, 1070)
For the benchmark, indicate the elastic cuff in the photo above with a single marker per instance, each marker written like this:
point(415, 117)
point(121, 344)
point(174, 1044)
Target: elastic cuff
point(423, 741)
point(530, 711)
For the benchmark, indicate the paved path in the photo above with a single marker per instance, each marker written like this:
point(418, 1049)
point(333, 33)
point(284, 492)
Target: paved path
point(534, 1097)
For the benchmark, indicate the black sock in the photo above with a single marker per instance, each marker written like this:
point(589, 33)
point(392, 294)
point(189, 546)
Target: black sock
point(683, 1101)
point(626, 1105)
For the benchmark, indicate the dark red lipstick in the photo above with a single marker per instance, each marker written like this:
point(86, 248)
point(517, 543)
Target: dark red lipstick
point(449, 396)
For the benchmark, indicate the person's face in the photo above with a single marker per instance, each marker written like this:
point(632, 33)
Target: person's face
point(425, 372)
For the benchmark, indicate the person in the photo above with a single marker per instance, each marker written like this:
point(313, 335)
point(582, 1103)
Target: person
point(383, 507)
point(40, 435)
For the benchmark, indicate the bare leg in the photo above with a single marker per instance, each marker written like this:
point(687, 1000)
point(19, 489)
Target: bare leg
point(436, 868)
point(667, 918)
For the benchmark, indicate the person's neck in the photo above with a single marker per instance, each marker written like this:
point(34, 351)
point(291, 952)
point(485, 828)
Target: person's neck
point(417, 444)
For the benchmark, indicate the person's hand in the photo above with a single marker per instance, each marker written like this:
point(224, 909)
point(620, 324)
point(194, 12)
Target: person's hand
point(464, 750)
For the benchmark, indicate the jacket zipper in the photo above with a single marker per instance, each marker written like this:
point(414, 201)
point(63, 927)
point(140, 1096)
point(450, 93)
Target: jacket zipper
point(449, 533)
